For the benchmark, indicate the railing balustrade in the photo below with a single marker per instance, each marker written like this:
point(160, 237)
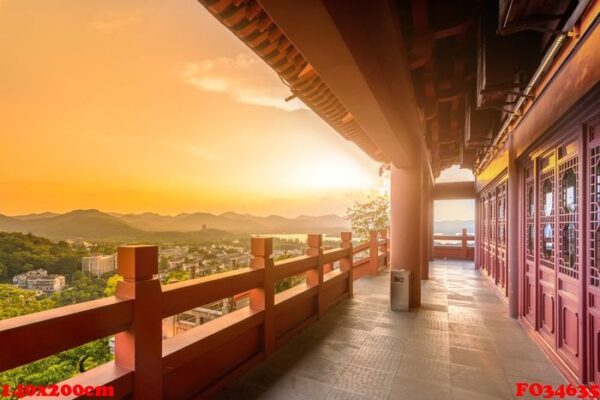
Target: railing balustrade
point(202, 360)
point(461, 251)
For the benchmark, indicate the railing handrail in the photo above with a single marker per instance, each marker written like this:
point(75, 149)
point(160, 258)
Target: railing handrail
point(361, 247)
point(294, 266)
point(62, 329)
point(461, 250)
point(182, 296)
point(451, 237)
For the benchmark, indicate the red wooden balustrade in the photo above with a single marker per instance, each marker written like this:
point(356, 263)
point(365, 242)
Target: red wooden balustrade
point(200, 361)
point(461, 252)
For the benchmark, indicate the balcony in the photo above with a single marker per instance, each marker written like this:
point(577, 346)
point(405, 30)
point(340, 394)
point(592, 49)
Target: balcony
point(202, 360)
point(454, 247)
point(330, 337)
point(460, 344)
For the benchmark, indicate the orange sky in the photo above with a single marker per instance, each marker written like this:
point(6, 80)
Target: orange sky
point(154, 106)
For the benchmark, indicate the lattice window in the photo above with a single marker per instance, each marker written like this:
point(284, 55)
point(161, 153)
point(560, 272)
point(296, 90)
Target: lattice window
point(530, 200)
point(501, 215)
point(530, 215)
point(546, 219)
point(493, 218)
point(568, 262)
point(569, 247)
point(548, 197)
point(530, 240)
point(486, 222)
point(594, 173)
point(547, 242)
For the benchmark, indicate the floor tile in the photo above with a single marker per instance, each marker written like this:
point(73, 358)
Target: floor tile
point(460, 344)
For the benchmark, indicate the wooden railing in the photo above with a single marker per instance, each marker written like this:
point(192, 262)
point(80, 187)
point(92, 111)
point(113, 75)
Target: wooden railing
point(462, 251)
point(202, 360)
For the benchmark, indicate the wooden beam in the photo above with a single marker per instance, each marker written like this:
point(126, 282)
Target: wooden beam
point(357, 49)
point(453, 191)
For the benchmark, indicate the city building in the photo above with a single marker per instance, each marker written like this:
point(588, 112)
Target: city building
point(40, 281)
point(99, 265)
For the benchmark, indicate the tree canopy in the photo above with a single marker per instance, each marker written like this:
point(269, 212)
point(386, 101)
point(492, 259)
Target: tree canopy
point(15, 302)
point(24, 252)
point(371, 215)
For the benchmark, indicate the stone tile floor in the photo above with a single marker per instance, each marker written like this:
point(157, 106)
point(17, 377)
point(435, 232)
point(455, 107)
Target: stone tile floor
point(460, 344)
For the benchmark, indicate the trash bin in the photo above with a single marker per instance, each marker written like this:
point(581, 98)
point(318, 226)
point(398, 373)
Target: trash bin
point(400, 290)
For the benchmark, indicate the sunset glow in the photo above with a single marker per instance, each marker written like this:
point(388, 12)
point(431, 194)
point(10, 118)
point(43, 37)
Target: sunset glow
point(154, 106)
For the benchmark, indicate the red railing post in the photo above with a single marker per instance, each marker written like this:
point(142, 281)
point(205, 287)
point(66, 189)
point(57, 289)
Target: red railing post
point(139, 348)
point(373, 253)
point(327, 267)
point(263, 298)
point(383, 234)
point(346, 262)
point(315, 276)
point(465, 249)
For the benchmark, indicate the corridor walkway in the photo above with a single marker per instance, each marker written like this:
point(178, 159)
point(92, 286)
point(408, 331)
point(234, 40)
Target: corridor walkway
point(460, 344)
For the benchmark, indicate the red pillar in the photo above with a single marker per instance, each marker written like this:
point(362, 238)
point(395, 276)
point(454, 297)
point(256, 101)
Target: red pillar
point(139, 348)
point(405, 226)
point(431, 226)
point(425, 194)
point(477, 255)
point(512, 230)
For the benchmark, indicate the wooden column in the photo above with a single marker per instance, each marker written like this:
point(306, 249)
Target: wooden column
point(512, 231)
point(315, 276)
point(477, 255)
point(405, 238)
point(346, 263)
point(373, 252)
point(425, 246)
point(139, 348)
point(264, 298)
point(431, 227)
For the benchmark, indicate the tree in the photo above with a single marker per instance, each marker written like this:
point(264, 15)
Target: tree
point(372, 215)
point(176, 275)
point(84, 287)
point(61, 366)
point(3, 272)
point(291, 281)
point(111, 285)
point(15, 301)
point(20, 253)
point(163, 265)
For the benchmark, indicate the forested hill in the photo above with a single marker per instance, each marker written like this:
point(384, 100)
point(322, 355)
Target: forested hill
point(24, 252)
point(94, 225)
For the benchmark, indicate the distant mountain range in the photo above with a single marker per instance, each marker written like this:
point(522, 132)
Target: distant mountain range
point(192, 227)
point(98, 225)
point(453, 227)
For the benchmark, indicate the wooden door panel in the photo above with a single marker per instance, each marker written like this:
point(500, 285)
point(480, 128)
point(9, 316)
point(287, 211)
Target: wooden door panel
point(547, 313)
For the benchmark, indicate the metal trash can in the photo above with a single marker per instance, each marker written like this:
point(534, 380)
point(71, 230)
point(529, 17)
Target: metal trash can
point(400, 290)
